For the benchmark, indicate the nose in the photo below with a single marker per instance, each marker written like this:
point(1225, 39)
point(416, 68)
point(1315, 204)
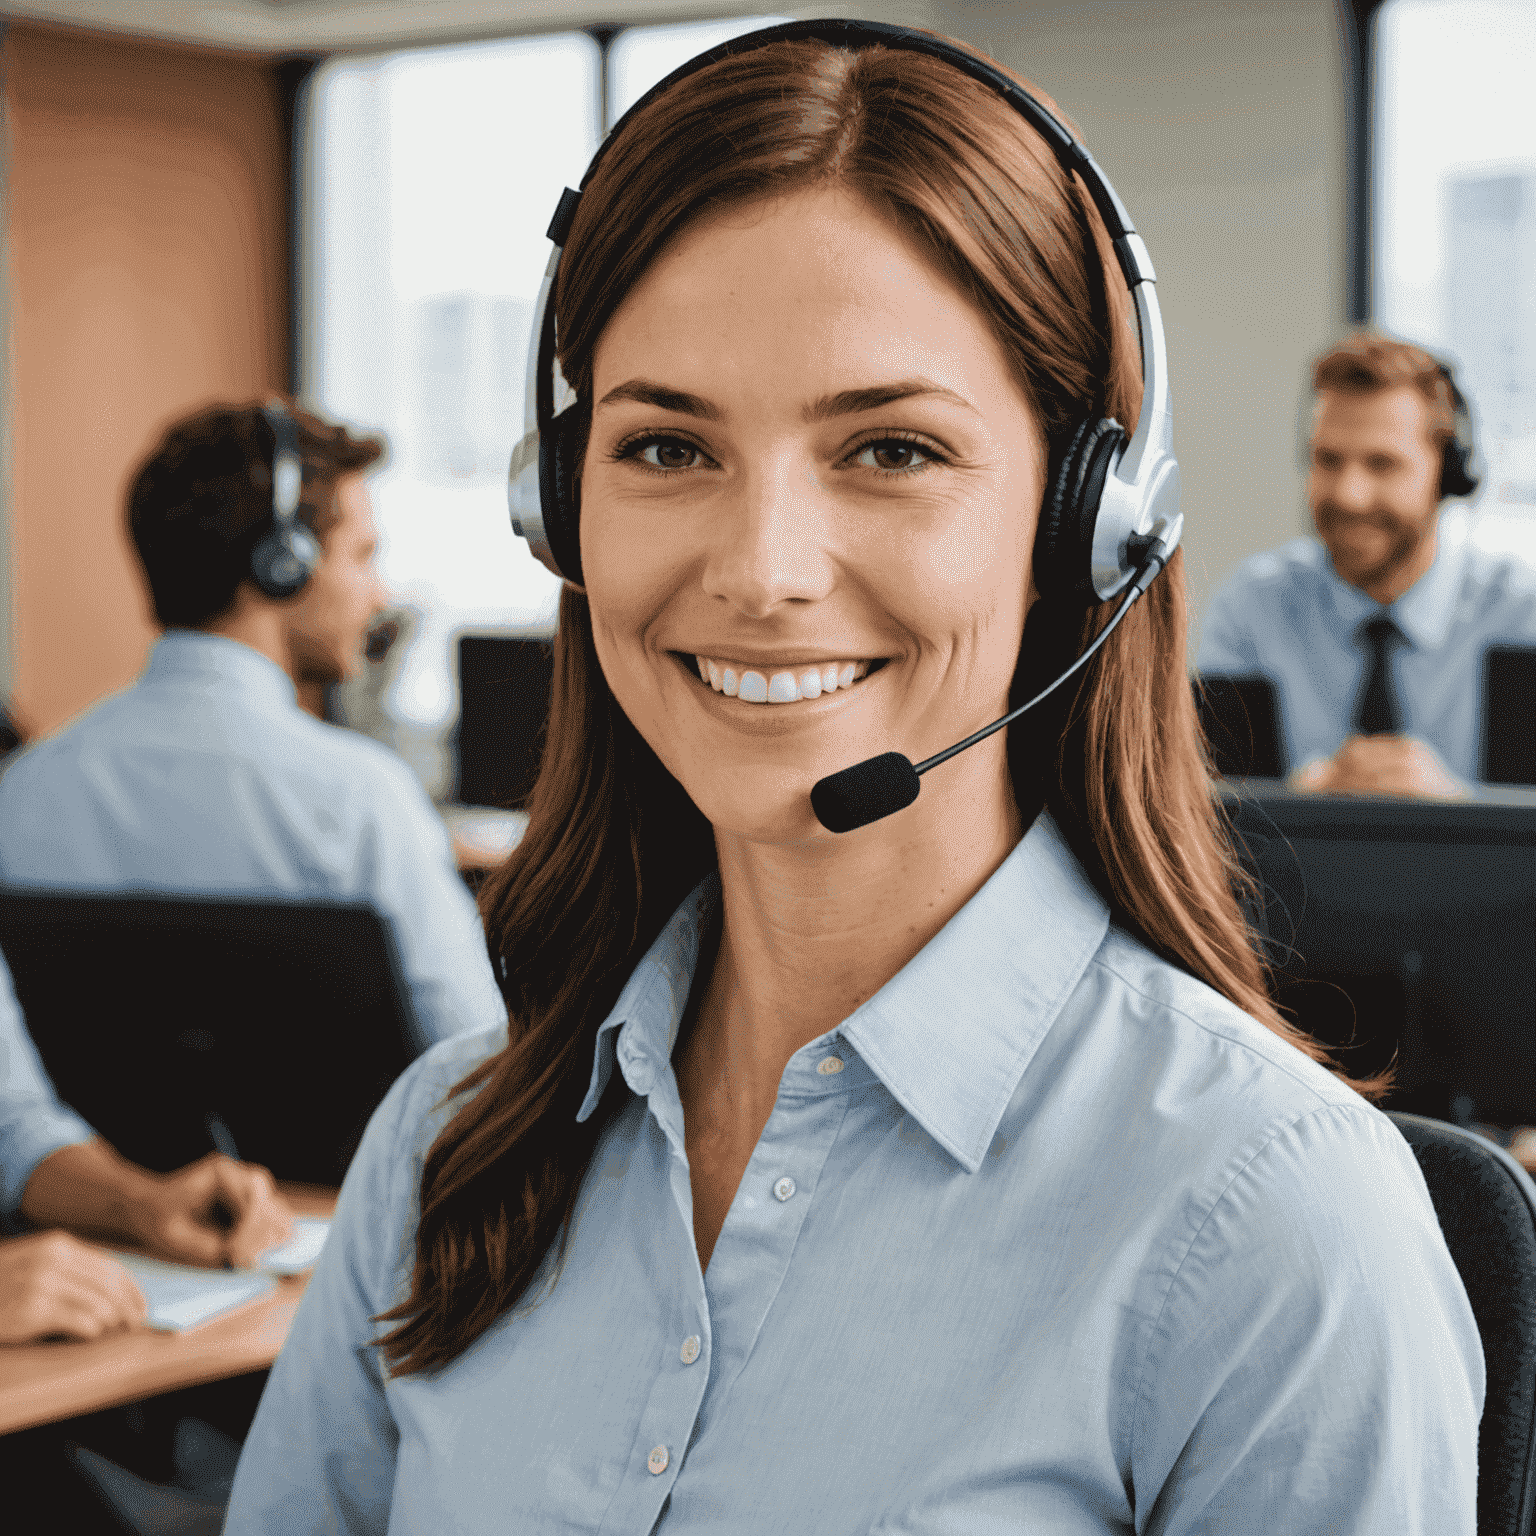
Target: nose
point(1353, 488)
point(771, 544)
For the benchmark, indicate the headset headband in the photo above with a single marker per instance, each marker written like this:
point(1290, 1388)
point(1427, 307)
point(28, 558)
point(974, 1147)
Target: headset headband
point(1141, 487)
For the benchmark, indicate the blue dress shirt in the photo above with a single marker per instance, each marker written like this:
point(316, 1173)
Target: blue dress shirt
point(205, 777)
point(32, 1121)
point(1045, 1236)
point(1288, 616)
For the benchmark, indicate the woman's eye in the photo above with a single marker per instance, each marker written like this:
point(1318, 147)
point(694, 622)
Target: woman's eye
point(893, 455)
point(667, 453)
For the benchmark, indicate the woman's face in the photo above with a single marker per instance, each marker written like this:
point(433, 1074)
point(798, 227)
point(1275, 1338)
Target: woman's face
point(813, 482)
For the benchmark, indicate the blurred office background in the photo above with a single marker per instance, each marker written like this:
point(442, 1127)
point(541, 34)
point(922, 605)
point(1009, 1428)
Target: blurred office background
point(349, 197)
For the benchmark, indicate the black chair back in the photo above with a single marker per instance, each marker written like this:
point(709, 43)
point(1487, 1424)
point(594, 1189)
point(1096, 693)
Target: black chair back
point(1487, 1208)
point(180, 1026)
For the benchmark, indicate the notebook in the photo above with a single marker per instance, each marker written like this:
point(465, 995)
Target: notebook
point(180, 1296)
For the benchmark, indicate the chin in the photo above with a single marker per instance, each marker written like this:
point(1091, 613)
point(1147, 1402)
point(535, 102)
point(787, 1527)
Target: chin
point(759, 806)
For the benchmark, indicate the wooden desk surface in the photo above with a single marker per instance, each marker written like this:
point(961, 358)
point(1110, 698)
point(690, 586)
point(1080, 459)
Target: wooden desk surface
point(41, 1383)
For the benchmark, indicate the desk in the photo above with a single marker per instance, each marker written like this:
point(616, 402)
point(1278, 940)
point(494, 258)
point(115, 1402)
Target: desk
point(40, 1383)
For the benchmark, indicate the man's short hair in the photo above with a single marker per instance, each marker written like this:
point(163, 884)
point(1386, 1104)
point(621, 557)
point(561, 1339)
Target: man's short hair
point(202, 500)
point(1366, 361)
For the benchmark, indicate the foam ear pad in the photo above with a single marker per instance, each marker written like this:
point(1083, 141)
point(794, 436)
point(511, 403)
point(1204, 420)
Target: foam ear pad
point(1456, 477)
point(561, 446)
point(1064, 540)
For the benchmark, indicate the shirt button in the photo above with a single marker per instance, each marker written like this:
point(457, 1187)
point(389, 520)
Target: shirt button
point(829, 1065)
point(690, 1350)
point(784, 1189)
point(656, 1462)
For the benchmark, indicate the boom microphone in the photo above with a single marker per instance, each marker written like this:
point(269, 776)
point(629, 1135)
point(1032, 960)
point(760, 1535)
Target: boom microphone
point(883, 785)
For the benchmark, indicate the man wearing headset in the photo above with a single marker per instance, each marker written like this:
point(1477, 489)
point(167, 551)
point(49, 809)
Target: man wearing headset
point(257, 541)
point(1374, 638)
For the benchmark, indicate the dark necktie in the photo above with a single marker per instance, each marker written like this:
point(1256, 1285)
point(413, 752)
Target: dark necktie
point(1377, 712)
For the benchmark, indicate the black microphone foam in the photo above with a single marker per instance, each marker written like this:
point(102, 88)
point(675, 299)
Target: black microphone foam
point(864, 793)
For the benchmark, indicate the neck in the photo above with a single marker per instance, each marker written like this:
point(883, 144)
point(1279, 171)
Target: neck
point(256, 622)
point(810, 932)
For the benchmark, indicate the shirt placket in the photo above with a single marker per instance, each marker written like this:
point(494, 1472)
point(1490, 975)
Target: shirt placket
point(747, 1267)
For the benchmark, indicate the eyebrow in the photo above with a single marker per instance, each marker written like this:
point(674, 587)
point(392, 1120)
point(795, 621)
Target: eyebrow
point(847, 402)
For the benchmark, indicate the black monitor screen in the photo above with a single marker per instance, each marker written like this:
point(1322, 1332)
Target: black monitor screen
point(504, 684)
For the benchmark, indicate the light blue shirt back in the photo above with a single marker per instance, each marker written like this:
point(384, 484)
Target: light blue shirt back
point(206, 777)
point(32, 1121)
point(1288, 616)
point(1045, 1236)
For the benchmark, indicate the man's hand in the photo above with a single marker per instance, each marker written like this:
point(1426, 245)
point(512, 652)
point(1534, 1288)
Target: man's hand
point(51, 1283)
point(1381, 765)
point(212, 1212)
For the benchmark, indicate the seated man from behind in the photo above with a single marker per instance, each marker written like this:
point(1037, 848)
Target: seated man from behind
point(1374, 634)
point(205, 776)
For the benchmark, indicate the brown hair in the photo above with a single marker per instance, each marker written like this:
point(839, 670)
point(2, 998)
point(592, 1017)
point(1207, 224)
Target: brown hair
point(1366, 361)
point(202, 499)
point(613, 842)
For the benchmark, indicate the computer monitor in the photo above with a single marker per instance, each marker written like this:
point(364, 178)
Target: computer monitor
point(504, 683)
point(1241, 720)
point(178, 1026)
point(1408, 929)
point(1509, 715)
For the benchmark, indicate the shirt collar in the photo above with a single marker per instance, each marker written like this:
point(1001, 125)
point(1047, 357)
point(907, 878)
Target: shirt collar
point(1424, 612)
point(951, 1034)
point(190, 655)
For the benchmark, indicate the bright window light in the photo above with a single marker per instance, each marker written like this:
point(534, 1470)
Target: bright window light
point(1455, 222)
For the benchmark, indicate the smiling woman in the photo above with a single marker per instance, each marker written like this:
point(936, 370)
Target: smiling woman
point(950, 1173)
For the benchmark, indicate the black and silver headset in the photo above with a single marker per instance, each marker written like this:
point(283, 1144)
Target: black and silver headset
point(1112, 499)
point(286, 555)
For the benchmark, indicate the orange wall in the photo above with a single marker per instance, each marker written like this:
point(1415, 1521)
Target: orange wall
point(148, 256)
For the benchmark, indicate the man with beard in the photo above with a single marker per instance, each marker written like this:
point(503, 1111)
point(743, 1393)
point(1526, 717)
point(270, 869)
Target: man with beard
point(1374, 634)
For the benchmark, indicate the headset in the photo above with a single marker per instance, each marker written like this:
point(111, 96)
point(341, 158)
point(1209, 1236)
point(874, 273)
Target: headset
point(285, 557)
point(1109, 519)
point(1457, 475)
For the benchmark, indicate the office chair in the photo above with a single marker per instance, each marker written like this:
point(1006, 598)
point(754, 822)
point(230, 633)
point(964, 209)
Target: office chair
point(1486, 1204)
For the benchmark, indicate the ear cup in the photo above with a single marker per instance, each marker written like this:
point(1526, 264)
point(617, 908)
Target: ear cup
point(1064, 540)
point(561, 445)
point(284, 560)
point(1456, 477)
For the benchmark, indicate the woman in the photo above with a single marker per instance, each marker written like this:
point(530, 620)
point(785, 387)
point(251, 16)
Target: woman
point(953, 1174)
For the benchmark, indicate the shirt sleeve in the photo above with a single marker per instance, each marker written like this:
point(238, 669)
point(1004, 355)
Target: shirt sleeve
point(320, 1455)
point(33, 1123)
point(1227, 647)
point(1316, 1366)
point(413, 881)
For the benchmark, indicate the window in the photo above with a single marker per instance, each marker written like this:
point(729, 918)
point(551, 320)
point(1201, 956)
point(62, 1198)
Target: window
point(1455, 222)
point(428, 180)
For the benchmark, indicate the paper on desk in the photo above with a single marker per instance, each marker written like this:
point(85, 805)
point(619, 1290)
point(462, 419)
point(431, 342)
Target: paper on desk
point(181, 1296)
point(299, 1252)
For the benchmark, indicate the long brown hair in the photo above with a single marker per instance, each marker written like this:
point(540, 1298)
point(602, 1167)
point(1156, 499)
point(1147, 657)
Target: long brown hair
point(613, 843)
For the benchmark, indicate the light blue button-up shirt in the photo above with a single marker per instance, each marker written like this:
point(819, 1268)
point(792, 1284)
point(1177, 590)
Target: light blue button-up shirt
point(206, 777)
point(1287, 615)
point(32, 1121)
point(1066, 1243)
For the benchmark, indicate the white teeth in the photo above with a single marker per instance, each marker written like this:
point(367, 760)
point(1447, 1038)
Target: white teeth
point(781, 687)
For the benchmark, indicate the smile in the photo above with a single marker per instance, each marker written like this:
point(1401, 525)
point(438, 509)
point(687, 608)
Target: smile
point(736, 680)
